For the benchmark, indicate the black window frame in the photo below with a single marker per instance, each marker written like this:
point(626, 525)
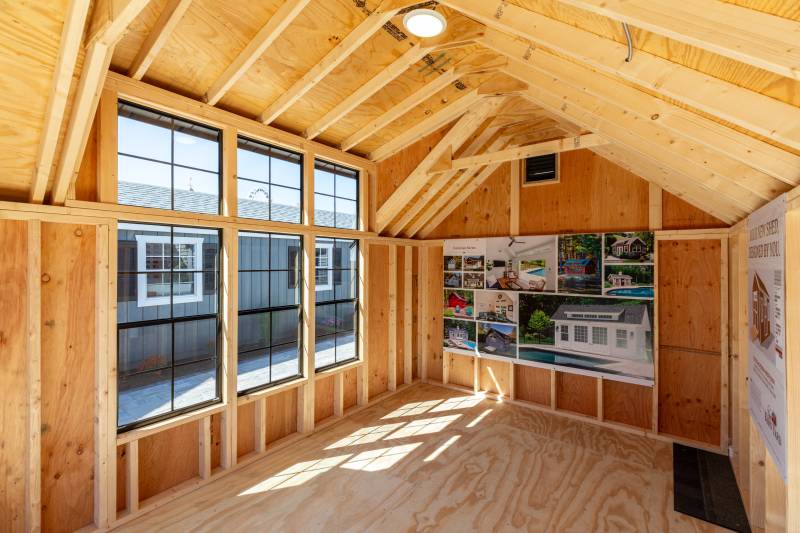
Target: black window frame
point(121, 102)
point(269, 182)
point(335, 303)
point(334, 169)
point(174, 320)
point(270, 309)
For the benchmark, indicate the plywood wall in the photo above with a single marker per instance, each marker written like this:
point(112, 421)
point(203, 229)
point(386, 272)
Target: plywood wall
point(68, 375)
point(168, 459)
point(14, 374)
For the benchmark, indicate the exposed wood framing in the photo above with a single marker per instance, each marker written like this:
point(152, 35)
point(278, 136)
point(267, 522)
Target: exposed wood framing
point(267, 35)
point(109, 21)
point(750, 110)
point(380, 16)
point(459, 191)
point(752, 37)
point(454, 138)
point(719, 143)
point(165, 25)
point(472, 65)
point(33, 438)
point(588, 140)
point(427, 126)
point(407, 314)
point(354, 99)
point(71, 36)
point(305, 394)
point(392, 351)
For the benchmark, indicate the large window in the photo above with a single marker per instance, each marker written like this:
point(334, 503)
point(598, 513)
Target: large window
point(269, 182)
point(599, 336)
point(168, 321)
point(581, 334)
point(335, 195)
point(167, 162)
point(269, 309)
point(336, 302)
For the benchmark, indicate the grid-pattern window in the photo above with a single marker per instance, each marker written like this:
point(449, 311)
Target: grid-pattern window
point(599, 336)
point(335, 195)
point(581, 334)
point(622, 338)
point(269, 309)
point(337, 305)
point(167, 321)
point(269, 184)
point(167, 162)
point(564, 332)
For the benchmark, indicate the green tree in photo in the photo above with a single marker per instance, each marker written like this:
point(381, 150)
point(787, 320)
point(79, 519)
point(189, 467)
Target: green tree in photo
point(539, 323)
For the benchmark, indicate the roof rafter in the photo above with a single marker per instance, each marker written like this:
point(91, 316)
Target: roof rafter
point(474, 64)
point(459, 191)
point(455, 36)
point(455, 137)
point(741, 147)
point(110, 20)
point(71, 36)
point(267, 35)
point(358, 36)
point(752, 37)
point(750, 110)
point(483, 133)
point(158, 36)
point(594, 117)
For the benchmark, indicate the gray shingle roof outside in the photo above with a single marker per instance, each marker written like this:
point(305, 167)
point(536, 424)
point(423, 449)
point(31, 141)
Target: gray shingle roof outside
point(144, 195)
point(631, 314)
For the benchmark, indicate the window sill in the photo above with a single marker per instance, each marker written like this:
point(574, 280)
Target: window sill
point(157, 427)
point(269, 391)
point(337, 369)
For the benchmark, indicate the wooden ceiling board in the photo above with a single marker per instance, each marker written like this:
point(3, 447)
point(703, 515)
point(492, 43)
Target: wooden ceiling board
point(30, 36)
point(314, 33)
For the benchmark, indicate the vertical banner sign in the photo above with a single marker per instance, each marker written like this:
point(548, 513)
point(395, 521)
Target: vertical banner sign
point(765, 275)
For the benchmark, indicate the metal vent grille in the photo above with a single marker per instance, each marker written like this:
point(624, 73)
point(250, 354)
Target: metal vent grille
point(541, 168)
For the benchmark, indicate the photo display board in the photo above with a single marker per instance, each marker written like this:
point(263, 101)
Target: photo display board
point(580, 303)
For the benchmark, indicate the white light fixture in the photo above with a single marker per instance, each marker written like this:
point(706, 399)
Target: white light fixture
point(424, 22)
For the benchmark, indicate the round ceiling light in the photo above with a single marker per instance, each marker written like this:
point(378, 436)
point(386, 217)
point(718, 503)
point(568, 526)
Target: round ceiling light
point(424, 22)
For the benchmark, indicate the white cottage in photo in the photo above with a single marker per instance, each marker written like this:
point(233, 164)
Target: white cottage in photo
point(613, 330)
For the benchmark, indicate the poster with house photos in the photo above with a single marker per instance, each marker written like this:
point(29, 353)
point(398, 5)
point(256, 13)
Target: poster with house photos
point(580, 303)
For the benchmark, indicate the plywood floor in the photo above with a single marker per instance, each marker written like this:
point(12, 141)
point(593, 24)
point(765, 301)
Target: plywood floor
point(434, 459)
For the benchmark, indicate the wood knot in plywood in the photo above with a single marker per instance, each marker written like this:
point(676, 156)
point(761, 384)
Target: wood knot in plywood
point(45, 278)
point(79, 232)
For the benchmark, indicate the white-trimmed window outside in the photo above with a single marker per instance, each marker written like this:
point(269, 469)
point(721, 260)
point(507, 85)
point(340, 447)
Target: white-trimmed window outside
point(622, 338)
point(154, 258)
point(324, 263)
point(599, 336)
point(581, 334)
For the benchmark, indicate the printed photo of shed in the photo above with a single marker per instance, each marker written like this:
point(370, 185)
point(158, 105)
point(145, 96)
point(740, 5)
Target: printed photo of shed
point(621, 331)
point(634, 247)
point(452, 280)
point(634, 281)
point(459, 334)
point(497, 339)
point(458, 303)
point(473, 262)
point(579, 263)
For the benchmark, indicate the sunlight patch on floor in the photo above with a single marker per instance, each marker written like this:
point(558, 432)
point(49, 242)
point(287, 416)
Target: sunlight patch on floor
point(296, 474)
point(479, 418)
point(438, 451)
point(461, 402)
point(365, 435)
point(412, 409)
point(425, 426)
point(380, 459)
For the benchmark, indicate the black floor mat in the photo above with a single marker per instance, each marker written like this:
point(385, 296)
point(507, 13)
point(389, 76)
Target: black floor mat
point(705, 488)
